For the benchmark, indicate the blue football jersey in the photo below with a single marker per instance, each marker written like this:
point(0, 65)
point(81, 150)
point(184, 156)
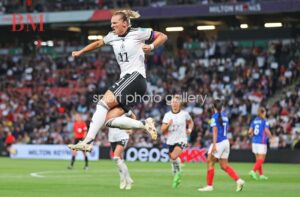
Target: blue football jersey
point(259, 135)
point(222, 129)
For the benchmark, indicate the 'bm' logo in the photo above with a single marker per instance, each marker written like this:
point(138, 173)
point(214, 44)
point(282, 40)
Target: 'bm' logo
point(32, 22)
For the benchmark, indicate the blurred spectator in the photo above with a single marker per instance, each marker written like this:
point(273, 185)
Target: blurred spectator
point(274, 143)
point(297, 142)
point(9, 140)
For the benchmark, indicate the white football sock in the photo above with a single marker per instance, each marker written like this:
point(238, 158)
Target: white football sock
point(120, 167)
point(125, 123)
point(176, 165)
point(97, 121)
point(123, 170)
point(126, 173)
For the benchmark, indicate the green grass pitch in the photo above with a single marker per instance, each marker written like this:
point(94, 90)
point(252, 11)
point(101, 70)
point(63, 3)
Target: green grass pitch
point(43, 178)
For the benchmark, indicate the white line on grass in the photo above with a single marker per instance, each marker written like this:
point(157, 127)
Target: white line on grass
point(37, 175)
point(43, 174)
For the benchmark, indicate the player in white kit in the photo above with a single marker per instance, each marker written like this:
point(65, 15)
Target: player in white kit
point(118, 139)
point(179, 125)
point(129, 48)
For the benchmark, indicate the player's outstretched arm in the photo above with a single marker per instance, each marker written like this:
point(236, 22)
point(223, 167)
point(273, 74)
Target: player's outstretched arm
point(88, 48)
point(159, 39)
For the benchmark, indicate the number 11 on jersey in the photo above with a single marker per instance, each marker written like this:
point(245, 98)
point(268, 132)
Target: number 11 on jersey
point(123, 57)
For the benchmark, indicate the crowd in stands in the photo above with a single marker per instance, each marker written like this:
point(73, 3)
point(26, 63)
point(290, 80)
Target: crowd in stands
point(21, 6)
point(41, 94)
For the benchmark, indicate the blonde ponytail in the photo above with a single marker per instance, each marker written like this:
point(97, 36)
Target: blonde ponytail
point(131, 13)
point(262, 112)
point(127, 15)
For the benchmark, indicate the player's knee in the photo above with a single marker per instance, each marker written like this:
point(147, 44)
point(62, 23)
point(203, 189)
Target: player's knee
point(118, 160)
point(74, 152)
point(223, 167)
point(108, 123)
point(104, 104)
point(173, 156)
point(109, 100)
point(210, 164)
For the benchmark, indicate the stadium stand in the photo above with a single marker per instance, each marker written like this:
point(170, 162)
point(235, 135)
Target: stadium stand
point(20, 6)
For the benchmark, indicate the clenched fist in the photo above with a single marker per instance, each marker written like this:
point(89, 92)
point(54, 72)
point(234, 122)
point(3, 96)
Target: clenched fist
point(76, 53)
point(147, 48)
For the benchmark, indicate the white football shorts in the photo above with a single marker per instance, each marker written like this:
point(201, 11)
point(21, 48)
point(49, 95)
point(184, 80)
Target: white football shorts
point(223, 150)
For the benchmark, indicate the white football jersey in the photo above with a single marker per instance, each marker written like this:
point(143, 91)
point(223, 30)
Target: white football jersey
point(128, 49)
point(177, 130)
point(116, 135)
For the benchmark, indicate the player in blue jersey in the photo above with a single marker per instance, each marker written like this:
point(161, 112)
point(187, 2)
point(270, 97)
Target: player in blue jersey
point(259, 131)
point(219, 149)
